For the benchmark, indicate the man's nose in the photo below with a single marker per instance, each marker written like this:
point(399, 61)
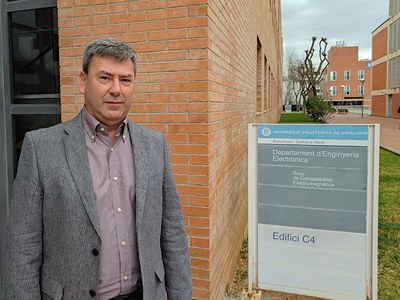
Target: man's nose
point(115, 89)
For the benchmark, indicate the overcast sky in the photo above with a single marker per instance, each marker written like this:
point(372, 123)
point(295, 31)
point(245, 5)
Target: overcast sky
point(351, 21)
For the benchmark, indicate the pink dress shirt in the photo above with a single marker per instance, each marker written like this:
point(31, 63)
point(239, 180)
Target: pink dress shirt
point(112, 170)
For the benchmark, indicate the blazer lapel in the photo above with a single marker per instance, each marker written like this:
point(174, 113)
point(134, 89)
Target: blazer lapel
point(140, 150)
point(76, 154)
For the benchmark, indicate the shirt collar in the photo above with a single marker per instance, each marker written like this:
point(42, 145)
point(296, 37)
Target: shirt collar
point(94, 128)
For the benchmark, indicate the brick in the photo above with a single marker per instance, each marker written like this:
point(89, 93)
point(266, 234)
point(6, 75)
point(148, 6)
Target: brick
point(181, 179)
point(197, 262)
point(147, 26)
point(152, 46)
point(195, 211)
point(167, 77)
point(200, 273)
point(199, 221)
point(167, 118)
point(179, 159)
point(68, 99)
point(173, 3)
point(110, 29)
point(193, 190)
point(198, 231)
point(66, 23)
point(199, 159)
point(187, 22)
point(197, 32)
point(72, 32)
point(198, 10)
point(199, 201)
point(205, 284)
point(68, 80)
point(190, 169)
point(188, 44)
point(167, 35)
point(180, 12)
point(202, 180)
point(177, 138)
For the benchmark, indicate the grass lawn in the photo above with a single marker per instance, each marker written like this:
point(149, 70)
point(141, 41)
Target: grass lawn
point(389, 227)
point(295, 118)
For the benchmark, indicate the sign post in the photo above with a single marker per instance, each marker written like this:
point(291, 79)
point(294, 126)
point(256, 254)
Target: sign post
point(313, 194)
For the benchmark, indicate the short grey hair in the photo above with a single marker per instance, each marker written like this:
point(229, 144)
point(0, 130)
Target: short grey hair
point(108, 47)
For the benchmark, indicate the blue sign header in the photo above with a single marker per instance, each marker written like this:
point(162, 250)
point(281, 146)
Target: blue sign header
point(314, 132)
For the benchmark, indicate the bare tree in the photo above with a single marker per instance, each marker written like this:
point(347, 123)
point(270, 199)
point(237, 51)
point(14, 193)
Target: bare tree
point(312, 75)
point(292, 88)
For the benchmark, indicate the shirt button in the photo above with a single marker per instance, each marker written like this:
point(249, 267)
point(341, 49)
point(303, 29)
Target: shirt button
point(123, 243)
point(92, 293)
point(119, 209)
point(115, 178)
point(102, 129)
point(125, 277)
point(112, 149)
point(95, 252)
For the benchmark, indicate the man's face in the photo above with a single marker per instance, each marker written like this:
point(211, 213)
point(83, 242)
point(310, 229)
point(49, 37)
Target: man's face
point(108, 89)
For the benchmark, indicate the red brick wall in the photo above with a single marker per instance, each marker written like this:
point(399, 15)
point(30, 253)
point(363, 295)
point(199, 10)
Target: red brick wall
point(379, 72)
point(234, 30)
point(197, 82)
point(379, 106)
point(379, 75)
point(379, 44)
point(396, 105)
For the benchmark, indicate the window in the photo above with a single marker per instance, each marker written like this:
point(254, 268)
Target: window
point(346, 90)
point(259, 76)
point(333, 90)
point(361, 75)
point(266, 98)
point(360, 90)
point(347, 75)
point(332, 76)
point(35, 71)
point(35, 56)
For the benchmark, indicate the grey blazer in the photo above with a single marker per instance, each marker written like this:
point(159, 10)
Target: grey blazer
point(53, 234)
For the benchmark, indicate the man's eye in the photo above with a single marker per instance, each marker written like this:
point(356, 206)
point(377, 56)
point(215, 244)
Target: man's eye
point(126, 82)
point(104, 78)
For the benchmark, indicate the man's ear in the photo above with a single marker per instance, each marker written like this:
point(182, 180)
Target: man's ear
point(82, 82)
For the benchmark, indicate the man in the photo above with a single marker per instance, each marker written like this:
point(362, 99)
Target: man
point(95, 213)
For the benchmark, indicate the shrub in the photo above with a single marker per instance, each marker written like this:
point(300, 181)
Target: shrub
point(318, 109)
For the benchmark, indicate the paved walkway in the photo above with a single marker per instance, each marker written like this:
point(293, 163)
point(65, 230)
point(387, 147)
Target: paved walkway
point(390, 132)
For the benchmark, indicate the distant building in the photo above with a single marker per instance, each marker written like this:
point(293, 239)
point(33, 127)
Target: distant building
point(386, 65)
point(348, 80)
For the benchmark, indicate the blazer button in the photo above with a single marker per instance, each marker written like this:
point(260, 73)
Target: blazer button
point(92, 293)
point(95, 252)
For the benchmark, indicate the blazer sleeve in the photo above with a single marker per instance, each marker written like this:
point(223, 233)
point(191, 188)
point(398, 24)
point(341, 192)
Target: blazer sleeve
point(173, 239)
point(23, 242)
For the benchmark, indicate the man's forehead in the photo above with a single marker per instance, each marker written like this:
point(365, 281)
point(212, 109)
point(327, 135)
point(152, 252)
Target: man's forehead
point(105, 62)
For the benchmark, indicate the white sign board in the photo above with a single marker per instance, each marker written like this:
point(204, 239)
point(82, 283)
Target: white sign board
point(313, 209)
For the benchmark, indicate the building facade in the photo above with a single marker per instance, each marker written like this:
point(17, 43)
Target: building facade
point(206, 69)
point(347, 83)
point(386, 65)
